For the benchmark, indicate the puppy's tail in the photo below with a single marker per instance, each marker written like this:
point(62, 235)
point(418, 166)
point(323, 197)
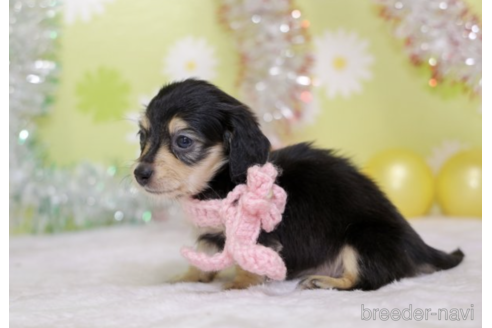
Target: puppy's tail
point(444, 261)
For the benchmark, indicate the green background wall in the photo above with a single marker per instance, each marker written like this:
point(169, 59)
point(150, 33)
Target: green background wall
point(113, 57)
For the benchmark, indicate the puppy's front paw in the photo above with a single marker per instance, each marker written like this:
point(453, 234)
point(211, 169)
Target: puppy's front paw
point(193, 275)
point(244, 280)
point(183, 278)
point(238, 284)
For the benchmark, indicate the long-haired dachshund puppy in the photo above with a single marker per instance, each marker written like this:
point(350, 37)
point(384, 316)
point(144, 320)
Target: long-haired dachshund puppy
point(338, 229)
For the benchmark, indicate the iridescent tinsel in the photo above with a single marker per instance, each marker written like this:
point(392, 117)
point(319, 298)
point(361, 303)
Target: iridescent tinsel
point(49, 198)
point(443, 34)
point(273, 43)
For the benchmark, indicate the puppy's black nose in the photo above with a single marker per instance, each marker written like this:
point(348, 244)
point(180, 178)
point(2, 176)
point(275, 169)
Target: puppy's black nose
point(142, 173)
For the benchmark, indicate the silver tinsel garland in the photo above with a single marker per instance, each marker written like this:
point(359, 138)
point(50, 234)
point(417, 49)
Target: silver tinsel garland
point(442, 34)
point(50, 199)
point(275, 78)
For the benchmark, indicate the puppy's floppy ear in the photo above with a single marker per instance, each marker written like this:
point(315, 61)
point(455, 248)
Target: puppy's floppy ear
point(246, 143)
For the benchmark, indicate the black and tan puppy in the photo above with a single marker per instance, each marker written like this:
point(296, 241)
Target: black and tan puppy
point(338, 230)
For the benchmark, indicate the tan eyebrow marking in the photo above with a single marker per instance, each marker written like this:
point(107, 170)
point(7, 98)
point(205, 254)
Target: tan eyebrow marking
point(177, 124)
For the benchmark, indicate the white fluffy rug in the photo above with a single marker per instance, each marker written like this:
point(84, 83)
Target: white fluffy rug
point(116, 277)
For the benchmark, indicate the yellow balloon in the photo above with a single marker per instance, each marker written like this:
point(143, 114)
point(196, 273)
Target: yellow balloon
point(459, 184)
point(405, 178)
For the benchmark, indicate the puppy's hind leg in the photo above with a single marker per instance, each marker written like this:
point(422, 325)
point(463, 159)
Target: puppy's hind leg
point(350, 274)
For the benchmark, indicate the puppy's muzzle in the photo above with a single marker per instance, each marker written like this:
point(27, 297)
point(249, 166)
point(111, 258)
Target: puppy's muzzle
point(143, 173)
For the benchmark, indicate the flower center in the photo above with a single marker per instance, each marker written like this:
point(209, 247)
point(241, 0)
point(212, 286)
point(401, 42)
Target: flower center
point(339, 63)
point(190, 65)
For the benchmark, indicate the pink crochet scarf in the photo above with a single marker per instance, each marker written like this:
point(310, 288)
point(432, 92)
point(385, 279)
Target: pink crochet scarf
point(246, 210)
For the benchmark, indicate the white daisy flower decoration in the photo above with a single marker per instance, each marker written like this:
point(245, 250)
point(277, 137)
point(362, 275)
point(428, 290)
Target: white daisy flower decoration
point(443, 152)
point(191, 57)
point(83, 9)
point(342, 62)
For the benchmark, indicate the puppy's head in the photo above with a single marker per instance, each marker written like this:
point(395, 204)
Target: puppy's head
point(189, 132)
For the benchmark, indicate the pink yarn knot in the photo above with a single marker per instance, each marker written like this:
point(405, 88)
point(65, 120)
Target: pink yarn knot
point(246, 210)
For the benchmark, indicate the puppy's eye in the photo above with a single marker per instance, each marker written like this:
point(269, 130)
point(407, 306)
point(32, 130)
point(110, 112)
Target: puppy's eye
point(183, 142)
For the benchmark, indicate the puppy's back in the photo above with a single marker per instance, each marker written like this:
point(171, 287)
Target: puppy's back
point(330, 205)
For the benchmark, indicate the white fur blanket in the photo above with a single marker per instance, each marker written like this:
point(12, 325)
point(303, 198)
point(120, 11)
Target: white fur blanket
point(115, 277)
